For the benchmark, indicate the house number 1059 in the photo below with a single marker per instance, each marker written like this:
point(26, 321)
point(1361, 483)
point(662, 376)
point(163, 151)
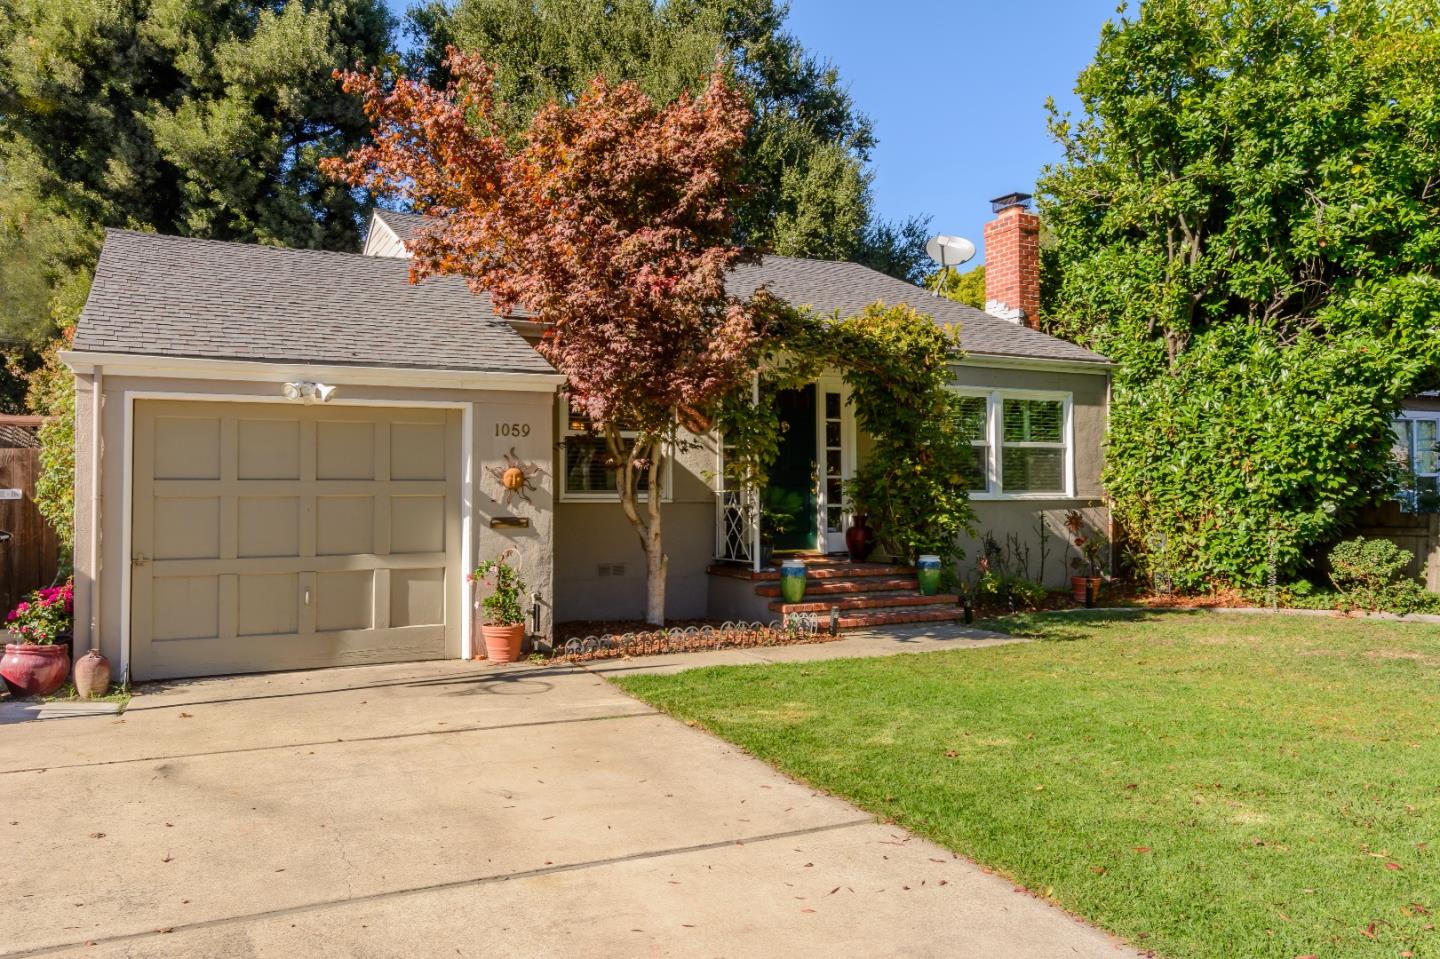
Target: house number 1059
point(512, 429)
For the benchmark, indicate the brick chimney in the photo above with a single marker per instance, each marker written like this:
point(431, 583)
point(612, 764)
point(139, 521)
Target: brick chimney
point(1012, 261)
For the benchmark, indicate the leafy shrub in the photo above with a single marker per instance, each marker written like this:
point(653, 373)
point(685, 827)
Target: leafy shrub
point(1010, 589)
point(897, 364)
point(1371, 575)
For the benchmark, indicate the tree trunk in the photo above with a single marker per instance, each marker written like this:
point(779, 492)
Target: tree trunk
point(647, 527)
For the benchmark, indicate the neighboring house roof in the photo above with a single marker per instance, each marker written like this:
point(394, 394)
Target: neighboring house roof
point(174, 296)
point(830, 285)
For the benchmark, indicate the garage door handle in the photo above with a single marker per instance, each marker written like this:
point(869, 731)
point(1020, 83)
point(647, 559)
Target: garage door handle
point(307, 597)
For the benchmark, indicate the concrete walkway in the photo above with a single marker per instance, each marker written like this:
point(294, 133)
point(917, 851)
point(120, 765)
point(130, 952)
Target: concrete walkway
point(453, 809)
point(891, 641)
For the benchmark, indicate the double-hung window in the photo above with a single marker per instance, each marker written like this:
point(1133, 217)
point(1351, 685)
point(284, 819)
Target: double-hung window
point(589, 472)
point(1417, 448)
point(974, 414)
point(1021, 442)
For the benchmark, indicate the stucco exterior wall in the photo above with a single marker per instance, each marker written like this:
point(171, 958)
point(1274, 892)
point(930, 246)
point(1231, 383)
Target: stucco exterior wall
point(599, 565)
point(489, 409)
point(1020, 524)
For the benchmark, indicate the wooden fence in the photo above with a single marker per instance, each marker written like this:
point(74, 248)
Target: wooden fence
point(28, 560)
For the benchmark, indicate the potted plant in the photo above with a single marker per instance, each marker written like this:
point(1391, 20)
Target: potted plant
point(38, 664)
point(504, 627)
point(1089, 563)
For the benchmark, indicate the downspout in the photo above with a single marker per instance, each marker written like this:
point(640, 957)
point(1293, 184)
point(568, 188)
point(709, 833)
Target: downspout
point(97, 393)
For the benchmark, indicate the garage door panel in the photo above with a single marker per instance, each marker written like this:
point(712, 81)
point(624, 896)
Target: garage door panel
point(299, 564)
point(187, 527)
point(417, 524)
point(344, 525)
point(344, 451)
point(185, 607)
point(344, 601)
point(268, 526)
point(200, 657)
point(417, 597)
point(268, 449)
point(417, 451)
point(187, 447)
point(267, 604)
point(287, 542)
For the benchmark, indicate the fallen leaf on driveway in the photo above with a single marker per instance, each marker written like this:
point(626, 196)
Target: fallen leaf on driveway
point(186, 716)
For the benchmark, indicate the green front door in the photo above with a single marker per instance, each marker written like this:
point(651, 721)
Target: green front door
point(792, 489)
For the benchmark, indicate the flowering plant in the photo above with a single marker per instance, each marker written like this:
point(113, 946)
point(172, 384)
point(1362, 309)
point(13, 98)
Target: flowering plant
point(503, 607)
point(1090, 545)
point(43, 615)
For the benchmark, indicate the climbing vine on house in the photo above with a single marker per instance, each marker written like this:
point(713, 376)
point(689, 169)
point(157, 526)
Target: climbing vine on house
point(897, 364)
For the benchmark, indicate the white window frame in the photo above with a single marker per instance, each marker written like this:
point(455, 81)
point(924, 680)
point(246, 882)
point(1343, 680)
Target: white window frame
point(994, 428)
point(1415, 416)
point(564, 432)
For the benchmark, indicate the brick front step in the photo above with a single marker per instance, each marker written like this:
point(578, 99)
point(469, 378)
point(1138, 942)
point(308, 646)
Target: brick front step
point(816, 569)
point(865, 601)
point(827, 587)
point(896, 617)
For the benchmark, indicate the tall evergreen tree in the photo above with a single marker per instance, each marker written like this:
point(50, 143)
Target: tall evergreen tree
point(197, 117)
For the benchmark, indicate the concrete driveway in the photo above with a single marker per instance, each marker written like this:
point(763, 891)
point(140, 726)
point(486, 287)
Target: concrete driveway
point(451, 809)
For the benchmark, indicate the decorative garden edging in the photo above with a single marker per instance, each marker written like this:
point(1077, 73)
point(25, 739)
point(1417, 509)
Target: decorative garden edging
point(797, 630)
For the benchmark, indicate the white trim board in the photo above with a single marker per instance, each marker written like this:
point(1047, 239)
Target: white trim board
point(467, 495)
point(988, 361)
point(185, 367)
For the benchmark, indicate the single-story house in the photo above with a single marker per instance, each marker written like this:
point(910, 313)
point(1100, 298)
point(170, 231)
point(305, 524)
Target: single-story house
point(291, 458)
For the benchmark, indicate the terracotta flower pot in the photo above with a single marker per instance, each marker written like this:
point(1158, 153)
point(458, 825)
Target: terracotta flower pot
point(502, 643)
point(31, 670)
point(92, 674)
point(1078, 584)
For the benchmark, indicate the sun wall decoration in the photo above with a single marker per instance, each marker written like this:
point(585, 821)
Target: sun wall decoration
point(516, 478)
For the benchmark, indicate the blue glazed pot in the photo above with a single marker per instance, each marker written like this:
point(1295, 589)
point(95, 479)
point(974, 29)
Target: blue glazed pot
point(927, 570)
point(792, 580)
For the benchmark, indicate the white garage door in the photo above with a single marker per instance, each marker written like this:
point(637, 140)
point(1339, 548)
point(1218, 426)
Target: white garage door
point(268, 536)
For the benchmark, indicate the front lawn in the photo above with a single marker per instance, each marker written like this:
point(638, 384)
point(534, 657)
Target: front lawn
point(1201, 784)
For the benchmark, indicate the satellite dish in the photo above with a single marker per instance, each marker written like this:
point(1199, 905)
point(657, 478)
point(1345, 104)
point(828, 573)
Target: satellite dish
point(949, 251)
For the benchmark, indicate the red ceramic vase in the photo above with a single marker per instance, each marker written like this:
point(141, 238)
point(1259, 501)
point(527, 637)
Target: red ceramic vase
point(31, 670)
point(859, 538)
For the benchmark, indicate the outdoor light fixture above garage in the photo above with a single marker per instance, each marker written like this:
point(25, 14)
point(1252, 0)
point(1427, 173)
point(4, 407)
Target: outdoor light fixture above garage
point(309, 392)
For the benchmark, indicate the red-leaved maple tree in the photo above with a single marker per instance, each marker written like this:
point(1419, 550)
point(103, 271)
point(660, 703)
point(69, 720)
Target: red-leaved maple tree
point(609, 221)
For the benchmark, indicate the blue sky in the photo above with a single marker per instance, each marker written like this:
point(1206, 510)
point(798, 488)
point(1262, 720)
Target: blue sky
point(957, 92)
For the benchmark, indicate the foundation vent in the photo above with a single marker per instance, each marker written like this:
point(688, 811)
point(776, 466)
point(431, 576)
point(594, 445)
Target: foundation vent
point(610, 569)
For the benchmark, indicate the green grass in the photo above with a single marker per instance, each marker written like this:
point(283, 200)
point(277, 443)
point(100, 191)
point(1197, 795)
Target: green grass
point(119, 693)
point(1201, 784)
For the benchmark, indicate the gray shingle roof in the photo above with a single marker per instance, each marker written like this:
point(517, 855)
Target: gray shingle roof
point(174, 296)
point(827, 285)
